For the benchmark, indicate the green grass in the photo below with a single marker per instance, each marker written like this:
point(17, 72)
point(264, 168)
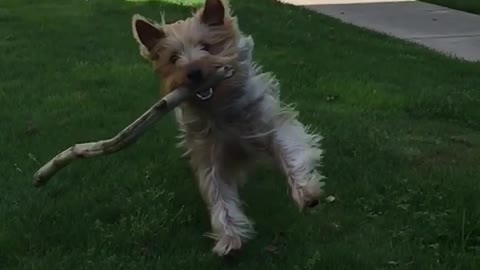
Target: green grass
point(402, 140)
point(472, 6)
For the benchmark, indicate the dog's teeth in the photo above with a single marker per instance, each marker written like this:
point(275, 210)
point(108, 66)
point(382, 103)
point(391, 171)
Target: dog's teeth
point(229, 73)
point(204, 95)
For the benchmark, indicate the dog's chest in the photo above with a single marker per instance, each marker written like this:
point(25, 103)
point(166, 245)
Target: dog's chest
point(238, 134)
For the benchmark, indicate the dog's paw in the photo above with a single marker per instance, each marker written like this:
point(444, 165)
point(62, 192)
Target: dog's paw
point(226, 244)
point(308, 196)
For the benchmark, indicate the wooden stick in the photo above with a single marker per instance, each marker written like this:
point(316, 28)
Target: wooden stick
point(130, 134)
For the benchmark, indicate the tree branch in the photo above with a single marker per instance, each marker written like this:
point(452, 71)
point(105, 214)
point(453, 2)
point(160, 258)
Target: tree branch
point(130, 134)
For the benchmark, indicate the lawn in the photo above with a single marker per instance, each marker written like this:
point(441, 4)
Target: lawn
point(472, 6)
point(402, 140)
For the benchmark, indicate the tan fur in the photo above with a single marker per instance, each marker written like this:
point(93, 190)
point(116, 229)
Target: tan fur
point(185, 37)
point(242, 123)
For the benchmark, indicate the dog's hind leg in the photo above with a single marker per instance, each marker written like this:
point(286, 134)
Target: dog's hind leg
point(298, 153)
point(219, 188)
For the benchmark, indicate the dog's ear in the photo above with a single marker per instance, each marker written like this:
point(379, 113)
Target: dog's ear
point(145, 33)
point(213, 12)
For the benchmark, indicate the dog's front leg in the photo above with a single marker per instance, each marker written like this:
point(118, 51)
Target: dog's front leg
point(219, 187)
point(298, 154)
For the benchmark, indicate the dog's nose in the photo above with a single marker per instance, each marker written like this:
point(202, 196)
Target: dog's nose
point(195, 75)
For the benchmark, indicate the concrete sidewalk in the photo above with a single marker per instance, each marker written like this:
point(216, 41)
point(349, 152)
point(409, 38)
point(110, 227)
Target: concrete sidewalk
point(448, 31)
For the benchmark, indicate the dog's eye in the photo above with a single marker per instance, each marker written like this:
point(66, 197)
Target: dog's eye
point(205, 47)
point(173, 58)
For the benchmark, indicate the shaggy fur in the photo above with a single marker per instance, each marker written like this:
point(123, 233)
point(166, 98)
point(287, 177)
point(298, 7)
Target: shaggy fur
point(243, 123)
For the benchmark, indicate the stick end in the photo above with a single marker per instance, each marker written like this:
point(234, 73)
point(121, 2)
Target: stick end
point(38, 181)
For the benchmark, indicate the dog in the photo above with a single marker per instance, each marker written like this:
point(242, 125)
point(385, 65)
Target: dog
point(239, 123)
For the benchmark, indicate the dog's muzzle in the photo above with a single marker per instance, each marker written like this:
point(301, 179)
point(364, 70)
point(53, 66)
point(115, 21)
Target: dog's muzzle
point(208, 93)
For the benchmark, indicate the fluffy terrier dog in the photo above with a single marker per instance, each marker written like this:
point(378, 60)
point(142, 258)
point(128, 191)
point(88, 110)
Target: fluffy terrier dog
point(238, 123)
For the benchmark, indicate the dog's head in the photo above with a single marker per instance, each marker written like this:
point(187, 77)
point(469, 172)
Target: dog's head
point(187, 51)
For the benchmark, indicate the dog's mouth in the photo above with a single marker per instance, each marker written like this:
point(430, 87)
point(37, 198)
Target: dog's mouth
point(205, 94)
